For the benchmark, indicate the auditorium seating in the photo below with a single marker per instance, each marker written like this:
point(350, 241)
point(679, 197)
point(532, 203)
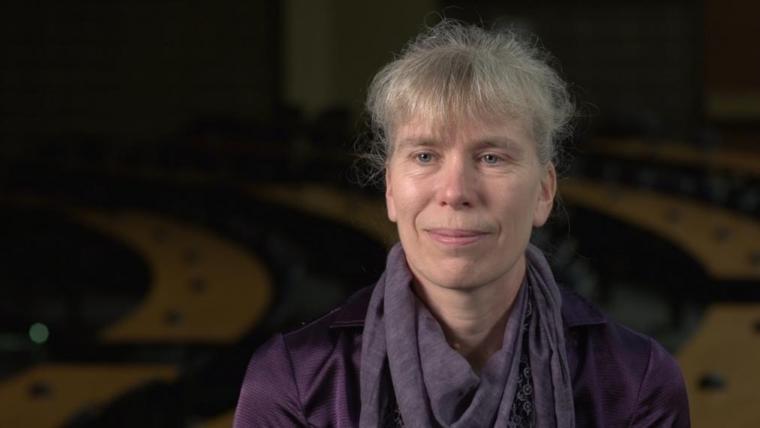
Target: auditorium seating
point(725, 243)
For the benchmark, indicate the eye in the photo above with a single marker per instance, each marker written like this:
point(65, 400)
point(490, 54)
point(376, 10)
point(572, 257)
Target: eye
point(490, 159)
point(424, 157)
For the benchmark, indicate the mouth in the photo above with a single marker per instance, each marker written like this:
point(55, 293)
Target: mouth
point(456, 237)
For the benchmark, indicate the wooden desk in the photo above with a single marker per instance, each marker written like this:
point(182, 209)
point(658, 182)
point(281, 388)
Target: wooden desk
point(358, 211)
point(49, 395)
point(222, 421)
point(204, 289)
point(726, 345)
point(732, 160)
point(726, 244)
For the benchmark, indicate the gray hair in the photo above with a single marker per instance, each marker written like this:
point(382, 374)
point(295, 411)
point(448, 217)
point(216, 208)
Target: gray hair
point(459, 71)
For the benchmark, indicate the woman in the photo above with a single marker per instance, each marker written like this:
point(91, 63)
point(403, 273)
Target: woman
point(466, 327)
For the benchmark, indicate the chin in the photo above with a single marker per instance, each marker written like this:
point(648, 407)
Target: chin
point(466, 273)
point(457, 278)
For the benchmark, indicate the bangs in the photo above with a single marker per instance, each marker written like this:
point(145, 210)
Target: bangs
point(445, 88)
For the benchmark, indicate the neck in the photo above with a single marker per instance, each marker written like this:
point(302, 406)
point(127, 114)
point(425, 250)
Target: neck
point(473, 320)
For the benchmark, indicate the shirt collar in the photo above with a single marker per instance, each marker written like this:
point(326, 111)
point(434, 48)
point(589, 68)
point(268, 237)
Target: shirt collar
point(353, 312)
point(577, 311)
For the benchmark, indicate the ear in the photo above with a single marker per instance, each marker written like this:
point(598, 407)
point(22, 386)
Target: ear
point(389, 202)
point(545, 196)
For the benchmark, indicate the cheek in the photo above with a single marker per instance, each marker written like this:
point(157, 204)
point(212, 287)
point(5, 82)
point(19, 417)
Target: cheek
point(407, 202)
point(410, 202)
point(518, 201)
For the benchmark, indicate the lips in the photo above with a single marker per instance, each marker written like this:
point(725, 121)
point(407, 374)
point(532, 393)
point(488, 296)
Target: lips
point(456, 237)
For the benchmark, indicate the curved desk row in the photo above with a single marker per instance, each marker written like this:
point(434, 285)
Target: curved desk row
point(224, 420)
point(204, 289)
point(358, 211)
point(720, 367)
point(49, 395)
point(735, 161)
point(726, 244)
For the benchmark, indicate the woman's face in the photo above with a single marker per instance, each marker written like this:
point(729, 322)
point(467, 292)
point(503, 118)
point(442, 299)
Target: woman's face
point(465, 199)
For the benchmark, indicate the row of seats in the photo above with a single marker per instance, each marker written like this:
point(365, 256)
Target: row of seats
point(726, 178)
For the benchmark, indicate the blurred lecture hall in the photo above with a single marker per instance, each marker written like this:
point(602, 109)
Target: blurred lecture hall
point(180, 180)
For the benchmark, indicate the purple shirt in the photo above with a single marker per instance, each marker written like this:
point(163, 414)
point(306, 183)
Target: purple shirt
point(310, 377)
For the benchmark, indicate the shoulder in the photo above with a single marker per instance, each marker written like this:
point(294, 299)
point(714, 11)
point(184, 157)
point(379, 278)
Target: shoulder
point(628, 375)
point(662, 399)
point(287, 376)
point(269, 396)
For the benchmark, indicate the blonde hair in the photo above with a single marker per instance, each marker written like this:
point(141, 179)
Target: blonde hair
point(458, 71)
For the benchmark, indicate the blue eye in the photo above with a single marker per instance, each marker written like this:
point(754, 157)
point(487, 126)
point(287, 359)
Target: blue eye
point(424, 157)
point(490, 159)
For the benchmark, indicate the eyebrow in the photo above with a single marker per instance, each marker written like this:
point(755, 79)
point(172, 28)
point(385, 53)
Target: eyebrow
point(496, 142)
point(499, 143)
point(418, 142)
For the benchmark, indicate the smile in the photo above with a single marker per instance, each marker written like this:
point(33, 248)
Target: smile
point(456, 237)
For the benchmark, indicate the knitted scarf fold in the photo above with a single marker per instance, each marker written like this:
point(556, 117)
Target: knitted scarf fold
point(406, 358)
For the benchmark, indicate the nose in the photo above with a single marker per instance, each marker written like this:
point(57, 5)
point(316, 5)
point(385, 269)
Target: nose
point(457, 184)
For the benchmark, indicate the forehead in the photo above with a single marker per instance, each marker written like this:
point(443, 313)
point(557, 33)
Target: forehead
point(507, 131)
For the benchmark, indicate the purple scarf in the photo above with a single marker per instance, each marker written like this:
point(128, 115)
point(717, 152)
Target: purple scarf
point(405, 354)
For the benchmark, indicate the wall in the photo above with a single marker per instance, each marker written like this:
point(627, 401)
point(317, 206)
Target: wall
point(132, 70)
point(334, 47)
